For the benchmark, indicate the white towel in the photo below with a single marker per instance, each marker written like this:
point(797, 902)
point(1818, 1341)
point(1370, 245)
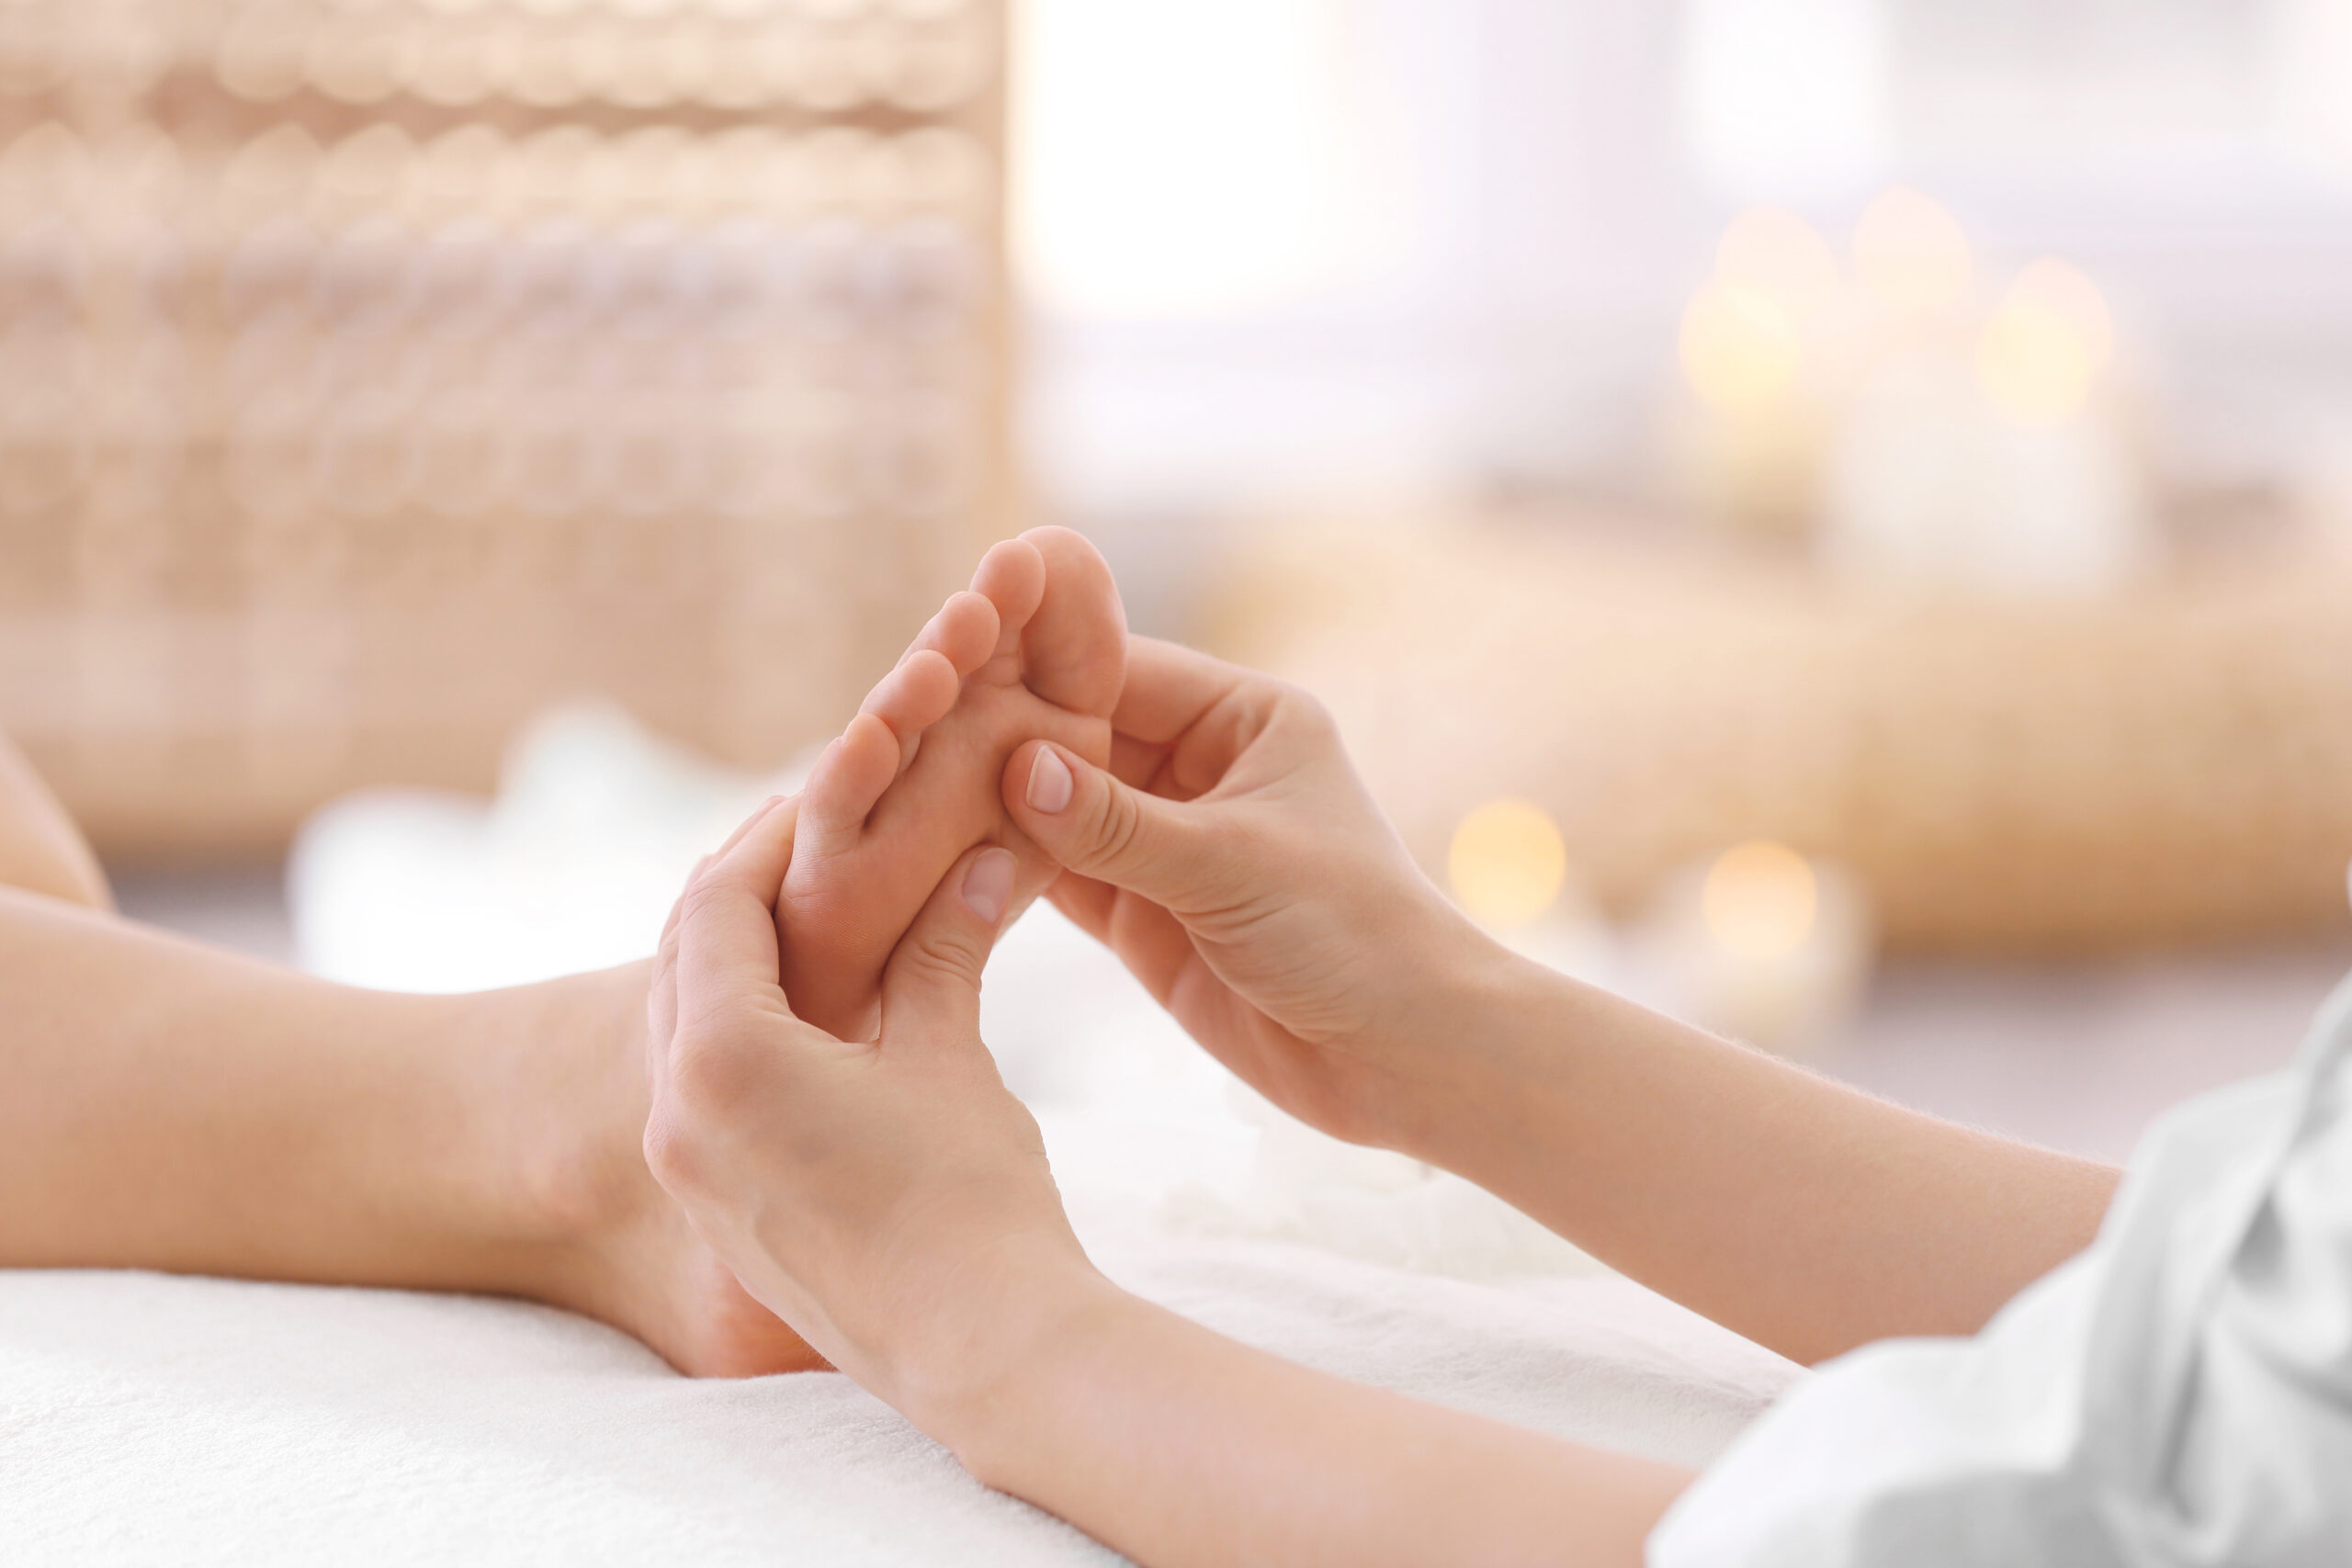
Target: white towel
point(150, 1419)
point(153, 1419)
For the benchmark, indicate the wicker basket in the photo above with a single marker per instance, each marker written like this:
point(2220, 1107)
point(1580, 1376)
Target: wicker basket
point(2169, 764)
point(372, 375)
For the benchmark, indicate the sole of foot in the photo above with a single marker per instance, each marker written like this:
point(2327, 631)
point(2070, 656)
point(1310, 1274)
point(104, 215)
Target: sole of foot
point(1036, 648)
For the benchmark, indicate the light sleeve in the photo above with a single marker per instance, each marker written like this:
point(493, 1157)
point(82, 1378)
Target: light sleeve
point(2178, 1395)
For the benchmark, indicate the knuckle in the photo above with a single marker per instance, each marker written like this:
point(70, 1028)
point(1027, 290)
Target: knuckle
point(670, 1152)
point(705, 894)
point(1117, 827)
point(945, 956)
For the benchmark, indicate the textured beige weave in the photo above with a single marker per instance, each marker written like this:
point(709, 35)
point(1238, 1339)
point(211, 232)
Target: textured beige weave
point(2173, 763)
point(372, 374)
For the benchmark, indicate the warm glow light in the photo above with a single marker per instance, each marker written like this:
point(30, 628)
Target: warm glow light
point(2052, 285)
point(1910, 253)
point(2032, 364)
point(1740, 347)
point(1507, 863)
point(1777, 252)
point(2039, 352)
point(1761, 900)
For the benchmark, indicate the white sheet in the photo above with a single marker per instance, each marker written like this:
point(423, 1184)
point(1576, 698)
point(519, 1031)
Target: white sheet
point(151, 1419)
point(145, 1419)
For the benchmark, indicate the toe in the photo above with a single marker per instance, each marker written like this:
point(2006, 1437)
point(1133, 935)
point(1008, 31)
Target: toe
point(1012, 577)
point(964, 632)
point(846, 782)
point(915, 695)
point(1073, 650)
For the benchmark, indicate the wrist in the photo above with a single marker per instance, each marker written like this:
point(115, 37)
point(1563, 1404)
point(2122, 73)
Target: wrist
point(1492, 1031)
point(969, 1385)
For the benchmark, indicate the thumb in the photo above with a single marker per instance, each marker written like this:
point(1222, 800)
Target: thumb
point(1101, 828)
point(932, 983)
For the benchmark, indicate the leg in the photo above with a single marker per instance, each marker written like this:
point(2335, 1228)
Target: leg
point(40, 849)
point(169, 1106)
point(173, 1107)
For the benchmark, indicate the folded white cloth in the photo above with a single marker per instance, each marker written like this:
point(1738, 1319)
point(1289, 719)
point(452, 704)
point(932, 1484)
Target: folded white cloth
point(2180, 1394)
point(155, 1420)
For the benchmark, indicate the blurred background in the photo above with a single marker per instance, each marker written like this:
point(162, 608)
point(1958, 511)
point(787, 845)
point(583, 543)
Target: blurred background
point(1833, 515)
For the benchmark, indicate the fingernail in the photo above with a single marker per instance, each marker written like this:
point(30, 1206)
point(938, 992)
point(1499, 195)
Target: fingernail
point(989, 885)
point(1050, 785)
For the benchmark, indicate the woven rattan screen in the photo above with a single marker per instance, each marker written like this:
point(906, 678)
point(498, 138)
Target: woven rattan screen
point(374, 371)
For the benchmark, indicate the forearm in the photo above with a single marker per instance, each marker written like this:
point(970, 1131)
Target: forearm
point(169, 1106)
point(1804, 1214)
point(1179, 1446)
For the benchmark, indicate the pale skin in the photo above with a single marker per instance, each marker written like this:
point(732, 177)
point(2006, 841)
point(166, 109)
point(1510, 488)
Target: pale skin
point(872, 1191)
point(171, 1106)
point(891, 1201)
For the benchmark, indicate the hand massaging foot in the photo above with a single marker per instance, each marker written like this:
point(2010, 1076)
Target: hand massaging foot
point(1036, 648)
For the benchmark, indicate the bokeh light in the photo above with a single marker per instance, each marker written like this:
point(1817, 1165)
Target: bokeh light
point(1761, 900)
point(1507, 863)
point(2062, 288)
point(1777, 252)
point(2044, 346)
point(1910, 253)
point(2032, 364)
point(1741, 348)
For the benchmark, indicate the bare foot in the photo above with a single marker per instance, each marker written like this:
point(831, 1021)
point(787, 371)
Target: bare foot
point(1036, 648)
point(596, 1233)
point(673, 1292)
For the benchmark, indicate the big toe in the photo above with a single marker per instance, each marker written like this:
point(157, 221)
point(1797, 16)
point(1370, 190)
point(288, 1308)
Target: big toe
point(1012, 578)
point(1074, 650)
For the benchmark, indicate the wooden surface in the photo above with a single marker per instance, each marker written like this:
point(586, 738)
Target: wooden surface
point(372, 376)
point(2170, 764)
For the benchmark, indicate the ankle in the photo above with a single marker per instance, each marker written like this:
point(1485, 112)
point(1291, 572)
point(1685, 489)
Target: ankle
point(554, 1106)
point(567, 1213)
